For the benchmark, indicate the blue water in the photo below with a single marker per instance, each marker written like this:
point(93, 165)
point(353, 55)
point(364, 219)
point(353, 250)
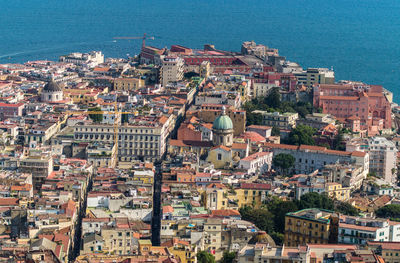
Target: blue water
point(359, 38)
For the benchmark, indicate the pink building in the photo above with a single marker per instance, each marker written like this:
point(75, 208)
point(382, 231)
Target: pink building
point(366, 102)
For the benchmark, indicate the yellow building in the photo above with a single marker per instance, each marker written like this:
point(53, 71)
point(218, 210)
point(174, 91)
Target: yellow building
point(311, 226)
point(220, 156)
point(390, 251)
point(128, 84)
point(83, 95)
point(253, 196)
point(144, 177)
point(181, 250)
point(337, 191)
point(218, 197)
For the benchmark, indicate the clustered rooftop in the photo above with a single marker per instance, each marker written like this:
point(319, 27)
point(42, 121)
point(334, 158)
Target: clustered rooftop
point(81, 140)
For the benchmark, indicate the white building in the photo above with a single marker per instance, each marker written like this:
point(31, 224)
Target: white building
point(91, 59)
point(356, 230)
point(383, 155)
point(140, 141)
point(262, 89)
point(172, 70)
point(257, 162)
point(310, 158)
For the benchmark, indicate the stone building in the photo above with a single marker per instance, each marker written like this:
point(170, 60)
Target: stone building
point(52, 92)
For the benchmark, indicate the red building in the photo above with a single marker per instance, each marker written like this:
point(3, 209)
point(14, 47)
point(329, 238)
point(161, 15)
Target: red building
point(367, 102)
point(10, 110)
point(287, 81)
point(151, 55)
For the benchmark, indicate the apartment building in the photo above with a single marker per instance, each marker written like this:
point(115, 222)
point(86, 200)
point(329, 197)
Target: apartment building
point(266, 253)
point(313, 76)
point(128, 84)
point(40, 165)
point(383, 155)
point(348, 175)
point(217, 198)
point(390, 251)
point(172, 70)
point(285, 120)
point(337, 192)
point(257, 162)
point(356, 230)
point(333, 190)
point(145, 141)
point(214, 235)
point(311, 226)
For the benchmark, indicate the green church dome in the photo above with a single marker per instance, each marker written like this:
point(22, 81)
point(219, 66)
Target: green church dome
point(223, 122)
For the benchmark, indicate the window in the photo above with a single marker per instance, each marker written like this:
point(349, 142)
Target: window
point(219, 157)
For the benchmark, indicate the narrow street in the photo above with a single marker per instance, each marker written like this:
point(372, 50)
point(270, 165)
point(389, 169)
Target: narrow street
point(78, 226)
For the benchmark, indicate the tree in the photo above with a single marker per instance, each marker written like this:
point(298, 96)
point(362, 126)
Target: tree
point(338, 141)
point(228, 257)
point(278, 238)
point(346, 208)
point(389, 211)
point(275, 131)
point(279, 209)
point(254, 118)
point(96, 117)
point(284, 161)
point(205, 257)
point(315, 200)
point(190, 74)
point(273, 99)
point(261, 217)
point(302, 134)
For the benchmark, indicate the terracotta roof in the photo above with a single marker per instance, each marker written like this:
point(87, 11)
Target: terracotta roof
point(24, 187)
point(167, 209)
point(255, 156)
point(16, 105)
point(252, 136)
point(260, 127)
point(242, 146)
point(338, 98)
point(385, 245)
point(364, 228)
point(101, 69)
point(381, 201)
point(221, 147)
point(9, 201)
point(216, 185)
point(225, 213)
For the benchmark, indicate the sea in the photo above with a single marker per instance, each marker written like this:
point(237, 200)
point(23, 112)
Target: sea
point(359, 39)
